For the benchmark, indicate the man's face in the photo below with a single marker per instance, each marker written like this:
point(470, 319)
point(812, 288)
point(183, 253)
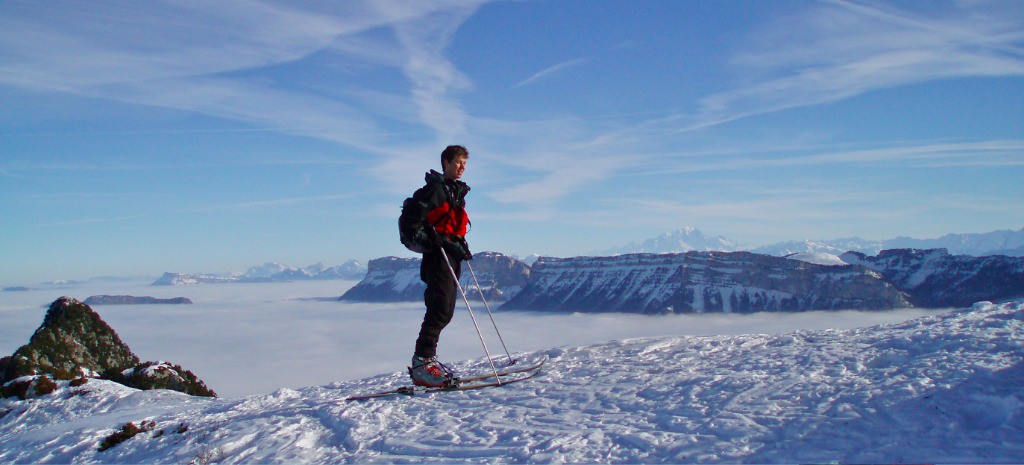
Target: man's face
point(453, 170)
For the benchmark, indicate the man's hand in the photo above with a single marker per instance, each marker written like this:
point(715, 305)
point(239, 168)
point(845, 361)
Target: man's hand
point(457, 249)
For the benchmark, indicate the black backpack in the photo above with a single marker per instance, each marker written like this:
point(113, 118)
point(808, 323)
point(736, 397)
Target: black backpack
point(410, 225)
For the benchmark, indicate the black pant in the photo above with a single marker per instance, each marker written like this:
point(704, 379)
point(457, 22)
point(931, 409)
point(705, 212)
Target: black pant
point(440, 297)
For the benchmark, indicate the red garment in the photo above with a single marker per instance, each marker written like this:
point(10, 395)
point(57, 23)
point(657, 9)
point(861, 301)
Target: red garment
point(449, 221)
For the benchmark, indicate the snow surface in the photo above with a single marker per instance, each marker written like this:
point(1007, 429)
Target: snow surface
point(941, 388)
point(818, 258)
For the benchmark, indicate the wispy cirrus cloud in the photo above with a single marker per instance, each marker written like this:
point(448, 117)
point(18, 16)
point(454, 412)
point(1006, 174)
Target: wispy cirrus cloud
point(218, 59)
point(931, 154)
point(551, 70)
point(837, 50)
point(435, 79)
point(825, 53)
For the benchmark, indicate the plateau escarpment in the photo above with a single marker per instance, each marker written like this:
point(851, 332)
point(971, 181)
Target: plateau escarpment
point(691, 282)
point(394, 279)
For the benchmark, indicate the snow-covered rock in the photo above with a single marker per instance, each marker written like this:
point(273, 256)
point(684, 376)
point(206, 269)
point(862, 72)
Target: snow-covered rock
point(943, 388)
point(164, 375)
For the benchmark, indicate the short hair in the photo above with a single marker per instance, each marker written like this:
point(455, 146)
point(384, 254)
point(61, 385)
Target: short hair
point(452, 152)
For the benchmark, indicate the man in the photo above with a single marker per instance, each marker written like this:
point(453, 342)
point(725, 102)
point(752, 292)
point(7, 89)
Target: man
point(437, 214)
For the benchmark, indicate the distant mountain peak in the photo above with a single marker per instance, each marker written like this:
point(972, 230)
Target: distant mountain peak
point(686, 239)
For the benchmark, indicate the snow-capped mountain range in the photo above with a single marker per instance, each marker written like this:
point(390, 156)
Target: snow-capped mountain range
point(943, 388)
point(269, 272)
point(688, 239)
point(684, 240)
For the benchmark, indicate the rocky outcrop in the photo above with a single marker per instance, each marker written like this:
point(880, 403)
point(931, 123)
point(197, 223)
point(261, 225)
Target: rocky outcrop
point(163, 375)
point(72, 343)
point(133, 300)
point(934, 279)
point(394, 279)
point(690, 282)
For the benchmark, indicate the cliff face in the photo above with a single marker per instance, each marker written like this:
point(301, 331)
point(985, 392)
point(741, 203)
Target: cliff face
point(389, 279)
point(739, 282)
point(934, 278)
point(393, 279)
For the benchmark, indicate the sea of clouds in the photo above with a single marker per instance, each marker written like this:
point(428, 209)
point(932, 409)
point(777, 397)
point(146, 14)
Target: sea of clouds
point(247, 339)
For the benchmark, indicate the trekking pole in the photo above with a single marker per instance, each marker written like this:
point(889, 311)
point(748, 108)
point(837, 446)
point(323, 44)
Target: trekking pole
point(471, 316)
point(489, 314)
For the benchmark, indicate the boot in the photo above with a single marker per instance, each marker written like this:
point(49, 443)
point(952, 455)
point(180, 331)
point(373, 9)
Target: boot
point(429, 372)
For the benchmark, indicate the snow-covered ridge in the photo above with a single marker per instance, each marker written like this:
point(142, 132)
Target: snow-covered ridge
point(943, 388)
point(700, 282)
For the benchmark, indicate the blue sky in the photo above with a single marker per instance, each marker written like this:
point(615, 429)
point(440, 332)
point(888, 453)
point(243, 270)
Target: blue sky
point(143, 137)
